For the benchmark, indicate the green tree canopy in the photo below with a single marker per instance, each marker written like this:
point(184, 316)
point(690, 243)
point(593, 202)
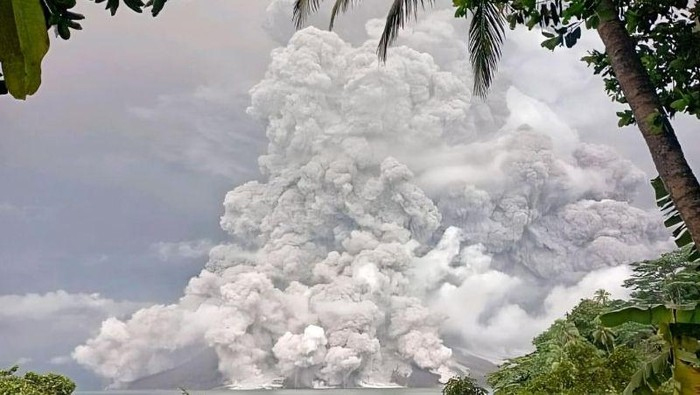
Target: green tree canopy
point(575, 355)
point(672, 278)
point(463, 386)
point(34, 384)
point(579, 354)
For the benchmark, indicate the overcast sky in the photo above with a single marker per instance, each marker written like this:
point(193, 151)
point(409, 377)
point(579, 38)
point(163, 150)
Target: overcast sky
point(112, 177)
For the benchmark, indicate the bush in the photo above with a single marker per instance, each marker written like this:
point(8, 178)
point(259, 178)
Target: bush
point(463, 386)
point(34, 384)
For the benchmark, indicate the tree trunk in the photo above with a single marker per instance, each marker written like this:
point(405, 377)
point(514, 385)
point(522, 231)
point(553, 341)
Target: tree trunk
point(676, 174)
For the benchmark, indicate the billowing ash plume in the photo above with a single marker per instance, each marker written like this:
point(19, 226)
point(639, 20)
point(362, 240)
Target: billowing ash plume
point(395, 211)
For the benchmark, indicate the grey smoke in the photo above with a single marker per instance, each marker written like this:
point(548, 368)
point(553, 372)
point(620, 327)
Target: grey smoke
point(394, 209)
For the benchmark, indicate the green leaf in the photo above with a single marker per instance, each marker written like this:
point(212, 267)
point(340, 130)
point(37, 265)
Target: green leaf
point(23, 43)
point(652, 315)
point(679, 104)
point(677, 64)
point(532, 22)
point(302, 9)
point(63, 30)
point(650, 375)
point(552, 43)
point(112, 6)
point(626, 118)
point(687, 378)
point(486, 37)
point(592, 22)
point(687, 356)
point(673, 219)
point(688, 316)
point(135, 5)
point(341, 6)
point(571, 38)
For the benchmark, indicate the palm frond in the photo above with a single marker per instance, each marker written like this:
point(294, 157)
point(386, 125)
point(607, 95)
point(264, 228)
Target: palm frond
point(673, 220)
point(400, 12)
point(486, 36)
point(340, 6)
point(302, 9)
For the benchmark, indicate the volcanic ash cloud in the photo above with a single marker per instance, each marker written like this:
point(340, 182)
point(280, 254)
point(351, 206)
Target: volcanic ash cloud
point(384, 190)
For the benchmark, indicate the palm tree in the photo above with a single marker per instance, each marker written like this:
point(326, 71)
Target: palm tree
point(602, 297)
point(565, 332)
point(486, 35)
point(605, 337)
point(666, 152)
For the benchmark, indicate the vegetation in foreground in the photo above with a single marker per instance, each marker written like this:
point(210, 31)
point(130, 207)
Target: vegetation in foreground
point(579, 355)
point(34, 384)
point(463, 386)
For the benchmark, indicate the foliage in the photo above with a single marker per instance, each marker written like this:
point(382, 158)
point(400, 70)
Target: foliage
point(463, 386)
point(584, 369)
point(575, 355)
point(679, 328)
point(651, 376)
point(23, 44)
point(486, 29)
point(24, 39)
point(671, 278)
point(582, 354)
point(667, 287)
point(486, 36)
point(34, 384)
point(668, 44)
point(673, 220)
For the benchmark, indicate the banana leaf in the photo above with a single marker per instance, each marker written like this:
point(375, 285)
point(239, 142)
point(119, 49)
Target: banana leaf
point(23, 43)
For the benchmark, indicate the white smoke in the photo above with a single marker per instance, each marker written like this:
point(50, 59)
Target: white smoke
point(395, 210)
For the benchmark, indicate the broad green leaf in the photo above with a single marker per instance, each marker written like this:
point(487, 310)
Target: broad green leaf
point(688, 316)
point(23, 44)
point(649, 316)
point(651, 375)
point(687, 356)
point(687, 378)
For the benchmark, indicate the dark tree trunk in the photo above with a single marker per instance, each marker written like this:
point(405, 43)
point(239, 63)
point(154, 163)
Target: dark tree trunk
point(676, 174)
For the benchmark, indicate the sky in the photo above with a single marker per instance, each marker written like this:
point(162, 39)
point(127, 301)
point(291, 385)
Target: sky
point(113, 175)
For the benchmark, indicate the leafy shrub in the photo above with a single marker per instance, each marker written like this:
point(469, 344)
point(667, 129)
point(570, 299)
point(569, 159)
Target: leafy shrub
point(34, 384)
point(463, 386)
